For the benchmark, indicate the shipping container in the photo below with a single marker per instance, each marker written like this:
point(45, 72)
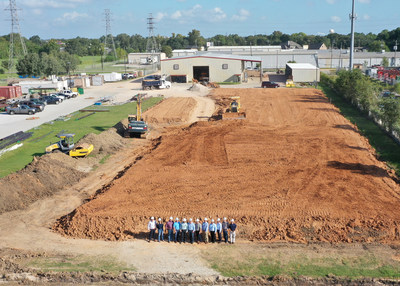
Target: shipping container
point(18, 91)
point(7, 92)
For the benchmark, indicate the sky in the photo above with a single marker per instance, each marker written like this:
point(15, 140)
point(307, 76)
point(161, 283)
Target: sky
point(85, 18)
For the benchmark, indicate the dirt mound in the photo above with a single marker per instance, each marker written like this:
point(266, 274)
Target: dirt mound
point(294, 170)
point(171, 110)
point(43, 177)
point(106, 142)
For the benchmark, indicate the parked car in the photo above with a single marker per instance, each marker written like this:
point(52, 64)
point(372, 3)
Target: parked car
point(51, 99)
point(38, 106)
point(20, 109)
point(128, 76)
point(38, 101)
point(269, 84)
point(57, 96)
point(69, 92)
point(64, 95)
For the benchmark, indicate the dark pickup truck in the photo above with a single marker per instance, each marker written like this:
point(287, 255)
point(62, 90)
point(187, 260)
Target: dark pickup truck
point(152, 84)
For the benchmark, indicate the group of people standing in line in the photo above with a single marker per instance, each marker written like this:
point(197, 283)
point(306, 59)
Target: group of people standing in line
point(189, 231)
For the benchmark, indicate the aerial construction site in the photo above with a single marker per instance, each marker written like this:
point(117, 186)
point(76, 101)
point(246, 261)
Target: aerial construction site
point(289, 169)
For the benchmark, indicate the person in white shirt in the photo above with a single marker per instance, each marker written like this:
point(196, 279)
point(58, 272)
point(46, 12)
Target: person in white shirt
point(151, 226)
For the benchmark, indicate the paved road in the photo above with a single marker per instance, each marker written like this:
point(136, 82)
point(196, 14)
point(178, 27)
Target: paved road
point(10, 124)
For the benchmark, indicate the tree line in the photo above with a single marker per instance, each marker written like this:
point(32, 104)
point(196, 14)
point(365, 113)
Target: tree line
point(365, 94)
point(136, 43)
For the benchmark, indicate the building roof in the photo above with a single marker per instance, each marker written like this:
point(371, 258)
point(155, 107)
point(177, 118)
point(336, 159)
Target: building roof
point(301, 66)
point(217, 56)
point(316, 46)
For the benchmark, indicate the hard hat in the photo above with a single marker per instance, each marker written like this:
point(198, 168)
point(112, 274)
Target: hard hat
point(159, 219)
point(184, 219)
point(171, 218)
point(224, 218)
point(232, 220)
point(152, 217)
point(212, 220)
point(177, 218)
point(197, 219)
point(218, 219)
point(190, 219)
point(205, 218)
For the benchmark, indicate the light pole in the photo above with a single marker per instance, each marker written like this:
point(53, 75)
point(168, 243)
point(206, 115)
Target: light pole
point(352, 18)
point(331, 31)
point(69, 75)
point(395, 50)
point(316, 69)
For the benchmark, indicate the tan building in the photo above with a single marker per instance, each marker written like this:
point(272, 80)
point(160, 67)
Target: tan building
point(208, 67)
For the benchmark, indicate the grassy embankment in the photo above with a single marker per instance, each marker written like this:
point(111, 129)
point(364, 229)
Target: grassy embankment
point(302, 260)
point(77, 264)
point(35, 146)
point(386, 148)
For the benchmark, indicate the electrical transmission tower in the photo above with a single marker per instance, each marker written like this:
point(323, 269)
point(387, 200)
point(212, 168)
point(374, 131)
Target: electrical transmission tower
point(107, 15)
point(151, 46)
point(15, 31)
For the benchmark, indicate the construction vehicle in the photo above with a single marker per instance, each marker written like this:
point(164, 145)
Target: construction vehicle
point(66, 145)
point(136, 124)
point(235, 110)
point(290, 83)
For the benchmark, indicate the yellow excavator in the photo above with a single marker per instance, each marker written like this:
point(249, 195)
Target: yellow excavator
point(67, 145)
point(136, 124)
point(235, 110)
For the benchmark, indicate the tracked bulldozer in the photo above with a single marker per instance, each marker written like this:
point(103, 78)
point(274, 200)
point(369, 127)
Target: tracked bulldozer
point(235, 110)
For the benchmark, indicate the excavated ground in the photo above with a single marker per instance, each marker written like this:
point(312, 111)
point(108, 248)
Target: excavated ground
point(294, 170)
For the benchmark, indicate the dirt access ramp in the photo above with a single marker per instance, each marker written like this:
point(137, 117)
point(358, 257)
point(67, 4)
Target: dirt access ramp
point(294, 170)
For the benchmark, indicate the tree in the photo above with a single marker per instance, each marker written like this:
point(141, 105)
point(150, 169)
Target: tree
point(377, 46)
point(68, 62)
point(121, 53)
point(195, 38)
point(385, 62)
point(390, 109)
point(29, 65)
point(167, 50)
point(50, 64)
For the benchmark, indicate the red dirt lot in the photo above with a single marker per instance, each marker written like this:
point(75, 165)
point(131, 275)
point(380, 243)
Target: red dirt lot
point(294, 170)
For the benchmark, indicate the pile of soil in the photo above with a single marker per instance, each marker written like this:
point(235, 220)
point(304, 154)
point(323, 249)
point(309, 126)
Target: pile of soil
point(294, 170)
point(107, 142)
point(44, 176)
point(53, 172)
point(179, 111)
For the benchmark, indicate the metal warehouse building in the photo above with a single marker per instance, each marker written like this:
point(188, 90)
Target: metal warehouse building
point(302, 72)
point(208, 67)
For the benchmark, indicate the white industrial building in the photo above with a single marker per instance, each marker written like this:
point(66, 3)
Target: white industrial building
point(145, 58)
point(184, 52)
point(208, 67)
point(56, 84)
point(302, 72)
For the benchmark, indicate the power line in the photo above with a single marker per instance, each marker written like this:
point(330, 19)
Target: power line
point(107, 19)
point(15, 31)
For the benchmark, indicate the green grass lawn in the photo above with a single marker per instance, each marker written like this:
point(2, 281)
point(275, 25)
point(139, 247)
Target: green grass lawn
point(387, 149)
point(77, 264)
point(42, 136)
point(311, 261)
point(92, 65)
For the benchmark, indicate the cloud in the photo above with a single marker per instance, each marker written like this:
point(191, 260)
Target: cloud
point(72, 16)
point(336, 19)
point(198, 12)
point(217, 14)
point(159, 16)
point(53, 3)
point(366, 17)
point(331, 1)
point(241, 16)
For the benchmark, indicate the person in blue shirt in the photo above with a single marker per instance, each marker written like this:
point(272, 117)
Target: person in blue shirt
point(219, 230)
point(205, 230)
point(232, 227)
point(177, 228)
point(213, 229)
point(191, 228)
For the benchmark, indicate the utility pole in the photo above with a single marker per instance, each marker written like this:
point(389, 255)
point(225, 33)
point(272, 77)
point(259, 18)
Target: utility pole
point(107, 19)
point(15, 31)
point(395, 50)
point(353, 17)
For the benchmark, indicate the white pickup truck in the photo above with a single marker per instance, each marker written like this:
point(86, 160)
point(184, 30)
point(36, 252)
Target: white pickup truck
point(69, 92)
